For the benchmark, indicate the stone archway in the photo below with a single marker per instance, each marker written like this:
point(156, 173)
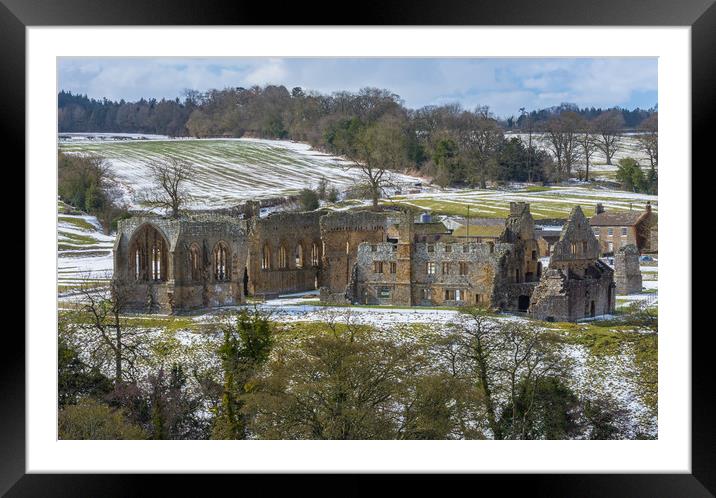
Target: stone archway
point(148, 255)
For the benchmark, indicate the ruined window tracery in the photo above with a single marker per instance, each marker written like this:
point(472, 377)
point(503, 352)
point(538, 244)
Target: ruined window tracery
point(314, 254)
point(282, 258)
point(222, 257)
point(194, 262)
point(148, 255)
point(266, 258)
point(299, 255)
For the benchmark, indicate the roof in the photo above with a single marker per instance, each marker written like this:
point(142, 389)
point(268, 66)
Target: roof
point(480, 230)
point(430, 228)
point(616, 218)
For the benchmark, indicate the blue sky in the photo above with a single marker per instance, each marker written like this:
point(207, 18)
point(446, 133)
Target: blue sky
point(504, 84)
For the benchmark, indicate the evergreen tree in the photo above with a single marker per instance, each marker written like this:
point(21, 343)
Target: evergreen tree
point(246, 346)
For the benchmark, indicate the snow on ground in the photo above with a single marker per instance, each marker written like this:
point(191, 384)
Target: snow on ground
point(297, 309)
point(628, 147)
point(226, 171)
point(613, 375)
point(545, 202)
point(84, 252)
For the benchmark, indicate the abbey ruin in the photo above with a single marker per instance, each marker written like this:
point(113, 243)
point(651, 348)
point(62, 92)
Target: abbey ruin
point(361, 257)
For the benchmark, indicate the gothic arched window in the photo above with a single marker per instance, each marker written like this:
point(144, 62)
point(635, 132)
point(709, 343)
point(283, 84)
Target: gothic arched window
point(314, 255)
point(148, 255)
point(222, 257)
point(282, 258)
point(195, 262)
point(266, 258)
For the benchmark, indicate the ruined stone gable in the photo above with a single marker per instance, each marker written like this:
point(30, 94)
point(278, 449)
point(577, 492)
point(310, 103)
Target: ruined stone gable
point(577, 284)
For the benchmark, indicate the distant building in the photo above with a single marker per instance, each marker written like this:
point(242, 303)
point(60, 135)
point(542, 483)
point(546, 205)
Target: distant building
point(616, 229)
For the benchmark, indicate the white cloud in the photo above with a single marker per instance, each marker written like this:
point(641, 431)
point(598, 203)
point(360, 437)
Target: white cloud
point(503, 84)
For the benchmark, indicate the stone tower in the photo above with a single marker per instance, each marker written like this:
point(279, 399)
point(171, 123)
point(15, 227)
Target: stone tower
point(627, 274)
point(403, 291)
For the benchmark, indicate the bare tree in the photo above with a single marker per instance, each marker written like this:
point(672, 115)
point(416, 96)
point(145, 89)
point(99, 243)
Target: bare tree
point(587, 143)
point(649, 138)
point(508, 360)
point(168, 192)
point(378, 149)
point(608, 127)
point(479, 136)
point(474, 341)
point(562, 138)
point(105, 333)
point(530, 129)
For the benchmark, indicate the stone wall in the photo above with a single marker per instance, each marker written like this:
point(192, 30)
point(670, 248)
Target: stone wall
point(577, 284)
point(296, 233)
point(202, 260)
point(627, 273)
point(341, 234)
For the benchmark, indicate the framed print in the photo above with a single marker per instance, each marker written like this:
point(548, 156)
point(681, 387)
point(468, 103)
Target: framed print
point(424, 242)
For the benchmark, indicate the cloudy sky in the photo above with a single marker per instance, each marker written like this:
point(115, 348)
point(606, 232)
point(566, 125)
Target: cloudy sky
point(504, 84)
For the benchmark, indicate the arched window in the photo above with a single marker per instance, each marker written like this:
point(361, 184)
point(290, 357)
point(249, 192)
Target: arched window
point(314, 255)
point(195, 262)
point(282, 258)
point(299, 255)
point(222, 258)
point(148, 255)
point(266, 258)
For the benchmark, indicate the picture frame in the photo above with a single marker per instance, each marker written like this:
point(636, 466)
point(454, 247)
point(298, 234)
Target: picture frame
point(17, 15)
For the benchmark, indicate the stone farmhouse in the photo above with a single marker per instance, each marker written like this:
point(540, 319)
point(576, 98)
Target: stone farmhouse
point(620, 228)
point(361, 257)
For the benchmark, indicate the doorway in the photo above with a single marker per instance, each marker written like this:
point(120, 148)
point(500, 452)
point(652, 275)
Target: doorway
point(523, 302)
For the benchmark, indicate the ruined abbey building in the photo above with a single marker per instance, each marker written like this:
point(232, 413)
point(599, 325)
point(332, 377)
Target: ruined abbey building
point(577, 283)
point(361, 257)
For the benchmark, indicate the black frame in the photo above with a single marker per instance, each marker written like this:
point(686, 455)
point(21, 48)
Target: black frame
point(15, 15)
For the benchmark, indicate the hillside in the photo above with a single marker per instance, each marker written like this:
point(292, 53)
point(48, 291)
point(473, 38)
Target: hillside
point(227, 171)
point(84, 252)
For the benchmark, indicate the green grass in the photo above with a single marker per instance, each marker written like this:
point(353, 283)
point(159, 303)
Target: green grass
point(168, 322)
point(79, 223)
point(76, 239)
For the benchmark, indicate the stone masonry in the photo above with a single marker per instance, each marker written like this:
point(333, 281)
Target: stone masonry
point(627, 273)
point(577, 283)
point(361, 257)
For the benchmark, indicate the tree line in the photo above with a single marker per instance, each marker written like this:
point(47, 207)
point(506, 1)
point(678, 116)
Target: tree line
point(480, 378)
point(453, 145)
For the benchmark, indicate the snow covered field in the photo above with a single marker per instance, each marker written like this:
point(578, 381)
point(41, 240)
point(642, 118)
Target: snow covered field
point(545, 202)
point(227, 171)
point(232, 170)
point(84, 252)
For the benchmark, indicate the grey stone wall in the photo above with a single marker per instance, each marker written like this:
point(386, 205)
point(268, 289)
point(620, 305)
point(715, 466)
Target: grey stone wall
point(627, 273)
point(288, 230)
point(183, 289)
point(577, 284)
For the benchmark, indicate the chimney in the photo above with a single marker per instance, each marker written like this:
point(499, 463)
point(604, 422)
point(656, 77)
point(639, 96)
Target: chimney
point(600, 208)
point(648, 207)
